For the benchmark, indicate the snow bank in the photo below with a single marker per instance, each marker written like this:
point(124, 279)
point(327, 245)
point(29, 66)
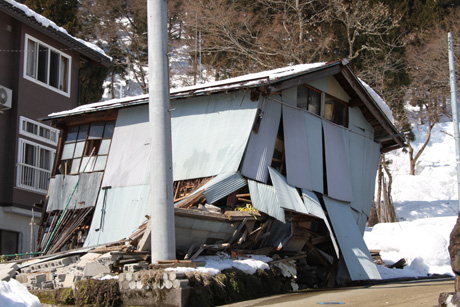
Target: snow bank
point(14, 294)
point(216, 264)
point(426, 206)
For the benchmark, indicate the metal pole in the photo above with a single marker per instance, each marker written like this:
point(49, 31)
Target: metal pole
point(163, 244)
point(453, 102)
point(200, 54)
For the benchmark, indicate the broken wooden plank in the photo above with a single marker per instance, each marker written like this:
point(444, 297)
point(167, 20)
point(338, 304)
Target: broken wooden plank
point(241, 215)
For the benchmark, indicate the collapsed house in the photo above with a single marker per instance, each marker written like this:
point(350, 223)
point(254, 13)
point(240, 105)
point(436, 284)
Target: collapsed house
point(282, 161)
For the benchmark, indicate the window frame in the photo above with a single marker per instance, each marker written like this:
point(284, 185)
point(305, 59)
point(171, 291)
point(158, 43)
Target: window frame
point(37, 136)
point(62, 79)
point(322, 114)
point(89, 141)
point(20, 164)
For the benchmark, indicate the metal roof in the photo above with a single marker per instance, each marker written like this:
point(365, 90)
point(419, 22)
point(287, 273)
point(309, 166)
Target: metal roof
point(271, 82)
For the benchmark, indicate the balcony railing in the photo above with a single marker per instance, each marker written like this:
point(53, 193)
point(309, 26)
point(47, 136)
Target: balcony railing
point(32, 178)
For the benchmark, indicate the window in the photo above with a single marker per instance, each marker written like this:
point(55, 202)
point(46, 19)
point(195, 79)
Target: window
point(47, 66)
point(38, 131)
point(35, 163)
point(9, 242)
point(309, 99)
point(86, 148)
point(335, 110)
point(322, 104)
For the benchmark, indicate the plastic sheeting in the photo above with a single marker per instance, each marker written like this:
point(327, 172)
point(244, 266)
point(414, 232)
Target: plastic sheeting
point(337, 169)
point(85, 195)
point(210, 133)
point(261, 145)
point(118, 214)
point(354, 250)
point(296, 148)
point(264, 199)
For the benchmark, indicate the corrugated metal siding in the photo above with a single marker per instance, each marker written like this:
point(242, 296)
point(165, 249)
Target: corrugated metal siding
point(261, 146)
point(85, 194)
point(296, 148)
point(209, 134)
point(222, 185)
point(287, 195)
point(264, 199)
point(219, 187)
point(315, 150)
point(124, 212)
point(354, 250)
point(314, 208)
point(337, 169)
point(364, 156)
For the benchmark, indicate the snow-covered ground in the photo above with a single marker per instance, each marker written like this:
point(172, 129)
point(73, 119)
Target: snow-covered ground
point(426, 206)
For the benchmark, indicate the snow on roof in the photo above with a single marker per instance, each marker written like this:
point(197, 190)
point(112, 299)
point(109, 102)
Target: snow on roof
point(381, 104)
point(248, 80)
point(216, 86)
point(50, 24)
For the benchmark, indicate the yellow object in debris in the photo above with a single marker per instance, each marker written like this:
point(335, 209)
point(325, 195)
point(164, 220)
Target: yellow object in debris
point(247, 207)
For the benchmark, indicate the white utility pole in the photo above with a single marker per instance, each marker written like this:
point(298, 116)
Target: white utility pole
point(163, 243)
point(453, 102)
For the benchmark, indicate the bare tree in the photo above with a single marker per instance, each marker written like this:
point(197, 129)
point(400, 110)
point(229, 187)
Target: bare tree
point(362, 20)
point(241, 36)
point(429, 73)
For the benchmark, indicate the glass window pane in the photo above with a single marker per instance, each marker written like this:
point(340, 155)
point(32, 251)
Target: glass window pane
point(67, 151)
point(53, 136)
point(42, 73)
point(108, 130)
point(31, 69)
point(100, 163)
point(45, 159)
point(29, 154)
point(104, 148)
point(72, 134)
point(82, 133)
point(31, 128)
point(96, 130)
point(329, 109)
point(79, 149)
point(54, 69)
point(339, 114)
point(87, 164)
point(314, 102)
point(75, 166)
point(63, 76)
point(302, 97)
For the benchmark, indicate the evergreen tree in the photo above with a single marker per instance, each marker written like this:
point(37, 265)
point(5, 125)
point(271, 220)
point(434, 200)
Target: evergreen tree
point(62, 12)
